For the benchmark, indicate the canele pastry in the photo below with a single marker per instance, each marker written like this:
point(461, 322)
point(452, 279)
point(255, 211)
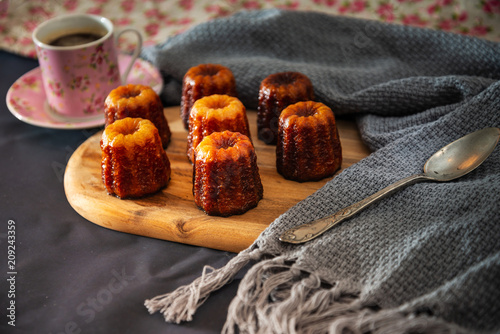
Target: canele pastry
point(205, 80)
point(226, 178)
point(278, 91)
point(134, 163)
point(137, 101)
point(215, 113)
point(308, 147)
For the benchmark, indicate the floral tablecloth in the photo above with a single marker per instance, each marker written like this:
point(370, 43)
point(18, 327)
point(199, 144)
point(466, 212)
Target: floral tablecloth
point(159, 19)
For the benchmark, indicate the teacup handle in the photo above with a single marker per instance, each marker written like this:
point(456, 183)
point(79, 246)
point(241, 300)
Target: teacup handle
point(135, 54)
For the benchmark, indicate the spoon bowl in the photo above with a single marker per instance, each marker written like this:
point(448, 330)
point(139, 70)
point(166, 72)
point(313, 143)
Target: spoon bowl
point(462, 156)
point(452, 161)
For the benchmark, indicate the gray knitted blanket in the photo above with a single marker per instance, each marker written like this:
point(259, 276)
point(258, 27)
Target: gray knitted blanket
point(426, 259)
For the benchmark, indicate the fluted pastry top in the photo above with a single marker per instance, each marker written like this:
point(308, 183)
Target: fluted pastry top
point(221, 146)
point(128, 133)
point(285, 84)
point(210, 74)
point(131, 96)
point(218, 107)
point(307, 113)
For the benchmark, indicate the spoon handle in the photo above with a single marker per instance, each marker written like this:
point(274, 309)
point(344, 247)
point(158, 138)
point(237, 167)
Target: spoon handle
point(311, 230)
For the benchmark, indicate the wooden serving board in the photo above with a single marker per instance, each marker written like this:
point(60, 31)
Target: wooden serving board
point(171, 214)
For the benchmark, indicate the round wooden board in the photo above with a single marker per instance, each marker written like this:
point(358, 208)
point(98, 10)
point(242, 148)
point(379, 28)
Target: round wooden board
point(171, 213)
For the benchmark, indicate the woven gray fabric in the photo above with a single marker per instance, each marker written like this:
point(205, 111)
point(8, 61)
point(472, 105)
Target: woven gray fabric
point(425, 259)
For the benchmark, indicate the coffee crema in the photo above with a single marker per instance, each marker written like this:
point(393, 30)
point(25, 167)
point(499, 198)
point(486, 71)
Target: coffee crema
point(76, 39)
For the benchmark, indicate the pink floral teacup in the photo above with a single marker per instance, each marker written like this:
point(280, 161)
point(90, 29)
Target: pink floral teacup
point(79, 62)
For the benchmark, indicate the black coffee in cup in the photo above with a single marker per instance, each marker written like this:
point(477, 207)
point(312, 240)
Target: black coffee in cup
point(76, 39)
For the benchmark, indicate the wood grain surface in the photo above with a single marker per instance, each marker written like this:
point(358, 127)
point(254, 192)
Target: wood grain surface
point(171, 213)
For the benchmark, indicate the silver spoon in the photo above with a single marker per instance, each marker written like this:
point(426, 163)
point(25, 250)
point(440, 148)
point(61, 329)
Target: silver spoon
point(452, 161)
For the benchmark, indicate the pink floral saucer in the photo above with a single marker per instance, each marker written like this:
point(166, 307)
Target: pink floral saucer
point(26, 97)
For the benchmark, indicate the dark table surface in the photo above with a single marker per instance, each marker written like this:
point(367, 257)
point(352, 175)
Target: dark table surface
point(72, 276)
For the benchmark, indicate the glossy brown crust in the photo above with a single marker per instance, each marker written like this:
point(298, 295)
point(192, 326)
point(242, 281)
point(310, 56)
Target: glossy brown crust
point(133, 163)
point(277, 92)
point(226, 178)
point(137, 101)
point(308, 146)
point(205, 80)
point(215, 113)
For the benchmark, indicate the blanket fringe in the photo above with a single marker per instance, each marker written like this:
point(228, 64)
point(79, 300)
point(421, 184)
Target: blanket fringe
point(181, 304)
point(277, 297)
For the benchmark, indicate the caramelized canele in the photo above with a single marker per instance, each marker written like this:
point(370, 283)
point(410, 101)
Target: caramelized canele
point(215, 113)
point(137, 101)
point(133, 163)
point(308, 146)
point(204, 80)
point(226, 178)
point(278, 91)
